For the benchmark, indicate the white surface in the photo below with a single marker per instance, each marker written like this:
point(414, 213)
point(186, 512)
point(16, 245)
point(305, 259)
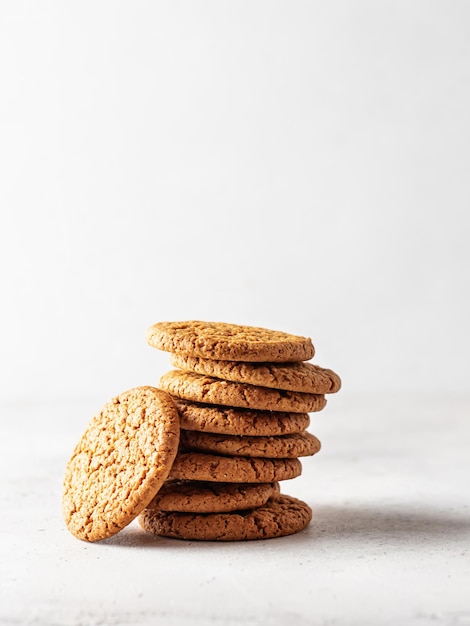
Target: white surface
point(297, 165)
point(389, 543)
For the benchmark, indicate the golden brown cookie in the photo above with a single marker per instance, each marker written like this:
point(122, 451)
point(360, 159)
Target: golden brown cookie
point(279, 447)
point(280, 516)
point(229, 421)
point(120, 462)
point(231, 469)
point(231, 342)
point(198, 388)
point(191, 496)
point(304, 377)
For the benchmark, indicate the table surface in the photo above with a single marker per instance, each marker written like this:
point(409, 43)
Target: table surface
point(388, 544)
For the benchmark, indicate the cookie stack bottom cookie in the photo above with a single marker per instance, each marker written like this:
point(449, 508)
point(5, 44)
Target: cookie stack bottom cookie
point(221, 511)
point(243, 430)
point(281, 515)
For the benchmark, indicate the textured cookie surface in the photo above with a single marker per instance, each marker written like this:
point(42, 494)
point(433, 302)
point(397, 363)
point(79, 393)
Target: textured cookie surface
point(304, 377)
point(281, 515)
point(231, 342)
point(229, 421)
point(199, 388)
point(192, 496)
point(221, 469)
point(278, 447)
point(122, 459)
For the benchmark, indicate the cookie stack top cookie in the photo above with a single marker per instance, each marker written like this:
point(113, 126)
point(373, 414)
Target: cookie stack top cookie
point(230, 342)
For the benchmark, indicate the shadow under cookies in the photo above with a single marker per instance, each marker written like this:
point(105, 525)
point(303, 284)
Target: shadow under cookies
point(397, 524)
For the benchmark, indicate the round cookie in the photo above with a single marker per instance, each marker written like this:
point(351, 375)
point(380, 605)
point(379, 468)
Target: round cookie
point(280, 447)
point(203, 497)
point(227, 469)
point(280, 516)
point(231, 342)
point(304, 377)
point(231, 421)
point(120, 462)
point(198, 388)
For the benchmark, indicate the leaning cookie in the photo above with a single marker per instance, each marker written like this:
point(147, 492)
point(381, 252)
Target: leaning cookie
point(226, 420)
point(198, 388)
point(280, 516)
point(231, 469)
point(280, 447)
point(232, 342)
point(120, 462)
point(303, 377)
point(193, 496)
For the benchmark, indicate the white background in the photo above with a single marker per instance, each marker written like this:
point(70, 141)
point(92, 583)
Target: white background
point(297, 165)
point(302, 166)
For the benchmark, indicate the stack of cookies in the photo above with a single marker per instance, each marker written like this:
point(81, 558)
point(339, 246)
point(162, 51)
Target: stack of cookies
point(201, 457)
point(243, 395)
